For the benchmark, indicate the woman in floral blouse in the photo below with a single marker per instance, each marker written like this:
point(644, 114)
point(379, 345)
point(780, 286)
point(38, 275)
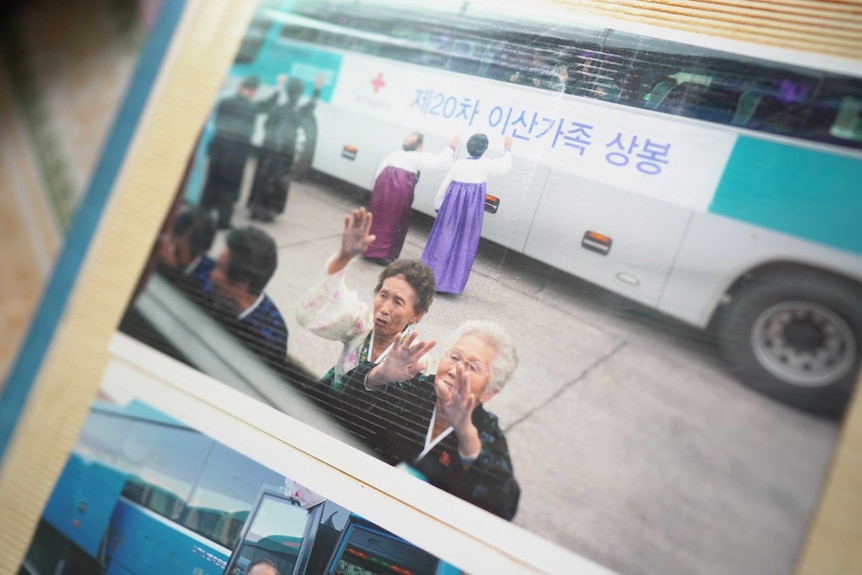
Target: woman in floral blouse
point(333, 311)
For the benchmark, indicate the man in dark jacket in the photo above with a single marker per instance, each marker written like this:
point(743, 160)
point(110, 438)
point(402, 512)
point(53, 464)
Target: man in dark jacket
point(275, 159)
point(242, 270)
point(229, 149)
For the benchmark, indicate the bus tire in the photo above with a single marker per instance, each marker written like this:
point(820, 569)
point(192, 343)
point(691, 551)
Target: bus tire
point(302, 163)
point(797, 338)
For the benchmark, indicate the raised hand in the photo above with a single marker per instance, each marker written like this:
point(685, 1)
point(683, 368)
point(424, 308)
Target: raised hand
point(354, 239)
point(402, 363)
point(458, 403)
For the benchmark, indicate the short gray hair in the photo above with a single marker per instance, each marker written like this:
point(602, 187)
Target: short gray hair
point(505, 359)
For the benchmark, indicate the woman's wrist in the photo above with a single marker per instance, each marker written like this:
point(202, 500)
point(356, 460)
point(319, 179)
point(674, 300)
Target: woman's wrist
point(338, 262)
point(375, 378)
point(469, 444)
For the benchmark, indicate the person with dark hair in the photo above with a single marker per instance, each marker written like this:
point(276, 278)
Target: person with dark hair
point(392, 196)
point(183, 258)
point(460, 205)
point(437, 424)
point(229, 149)
point(402, 297)
point(275, 159)
point(262, 567)
point(242, 270)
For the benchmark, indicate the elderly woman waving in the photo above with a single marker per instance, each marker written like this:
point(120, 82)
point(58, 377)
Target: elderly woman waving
point(438, 424)
point(333, 311)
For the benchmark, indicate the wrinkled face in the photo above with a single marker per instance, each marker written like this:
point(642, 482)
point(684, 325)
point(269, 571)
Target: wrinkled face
point(224, 289)
point(394, 307)
point(476, 357)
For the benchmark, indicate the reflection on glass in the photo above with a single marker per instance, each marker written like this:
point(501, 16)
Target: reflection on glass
point(276, 533)
point(101, 438)
point(368, 550)
point(162, 462)
point(224, 493)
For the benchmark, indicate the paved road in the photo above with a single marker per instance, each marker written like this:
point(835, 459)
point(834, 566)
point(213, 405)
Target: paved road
point(632, 443)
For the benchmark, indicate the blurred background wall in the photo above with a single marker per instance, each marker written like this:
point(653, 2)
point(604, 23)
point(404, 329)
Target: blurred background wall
point(64, 69)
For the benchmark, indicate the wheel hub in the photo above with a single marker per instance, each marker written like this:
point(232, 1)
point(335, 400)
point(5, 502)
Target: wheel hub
point(803, 343)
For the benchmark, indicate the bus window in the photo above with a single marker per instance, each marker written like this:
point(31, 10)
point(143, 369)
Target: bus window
point(593, 75)
point(102, 436)
point(398, 51)
point(301, 33)
point(163, 462)
point(253, 40)
point(463, 59)
point(223, 495)
point(848, 120)
point(698, 96)
point(494, 63)
point(277, 532)
point(366, 549)
point(835, 116)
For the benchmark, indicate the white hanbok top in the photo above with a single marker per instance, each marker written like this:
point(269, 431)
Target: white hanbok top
point(473, 171)
point(413, 161)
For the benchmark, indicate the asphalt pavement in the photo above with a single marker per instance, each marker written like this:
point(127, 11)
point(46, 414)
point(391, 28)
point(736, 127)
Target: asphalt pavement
point(632, 442)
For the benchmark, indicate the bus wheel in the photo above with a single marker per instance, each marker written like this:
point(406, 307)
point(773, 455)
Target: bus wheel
point(796, 338)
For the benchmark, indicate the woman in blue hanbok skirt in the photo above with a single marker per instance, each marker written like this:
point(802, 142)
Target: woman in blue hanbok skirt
point(460, 205)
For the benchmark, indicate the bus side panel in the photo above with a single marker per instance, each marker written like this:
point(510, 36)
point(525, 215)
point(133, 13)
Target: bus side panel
point(802, 192)
point(645, 235)
point(339, 128)
point(142, 542)
point(83, 501)
point(718, 250)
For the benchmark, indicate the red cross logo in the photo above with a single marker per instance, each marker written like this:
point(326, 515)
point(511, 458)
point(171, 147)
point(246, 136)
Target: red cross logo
point(378, 82)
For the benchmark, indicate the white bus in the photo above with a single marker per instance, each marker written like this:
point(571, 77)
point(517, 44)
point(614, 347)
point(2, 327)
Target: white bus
point(717, 187)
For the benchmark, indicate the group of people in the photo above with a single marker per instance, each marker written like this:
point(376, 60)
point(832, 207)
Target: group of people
point(235, 119)
point(454, 239)
point(377, 389)
point(230, 287)
point(460, 206)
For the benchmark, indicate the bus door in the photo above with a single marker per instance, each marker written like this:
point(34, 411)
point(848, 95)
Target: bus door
point(279, 530)
point(83, 502)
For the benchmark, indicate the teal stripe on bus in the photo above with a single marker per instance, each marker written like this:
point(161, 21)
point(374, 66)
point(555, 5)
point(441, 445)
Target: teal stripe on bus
point(811, 194)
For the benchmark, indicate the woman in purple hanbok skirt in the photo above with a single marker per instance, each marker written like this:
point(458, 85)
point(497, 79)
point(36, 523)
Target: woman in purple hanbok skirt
point(392, 197)
point(454, 238)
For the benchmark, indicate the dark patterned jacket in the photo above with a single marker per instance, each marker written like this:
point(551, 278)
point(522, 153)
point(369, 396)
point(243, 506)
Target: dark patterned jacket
point(394, 421)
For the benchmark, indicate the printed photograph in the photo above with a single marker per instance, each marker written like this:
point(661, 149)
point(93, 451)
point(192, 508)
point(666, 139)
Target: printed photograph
point(602, 281)
point(144, 493)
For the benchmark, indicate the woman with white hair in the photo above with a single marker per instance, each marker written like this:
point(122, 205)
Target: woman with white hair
point(438, 424)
